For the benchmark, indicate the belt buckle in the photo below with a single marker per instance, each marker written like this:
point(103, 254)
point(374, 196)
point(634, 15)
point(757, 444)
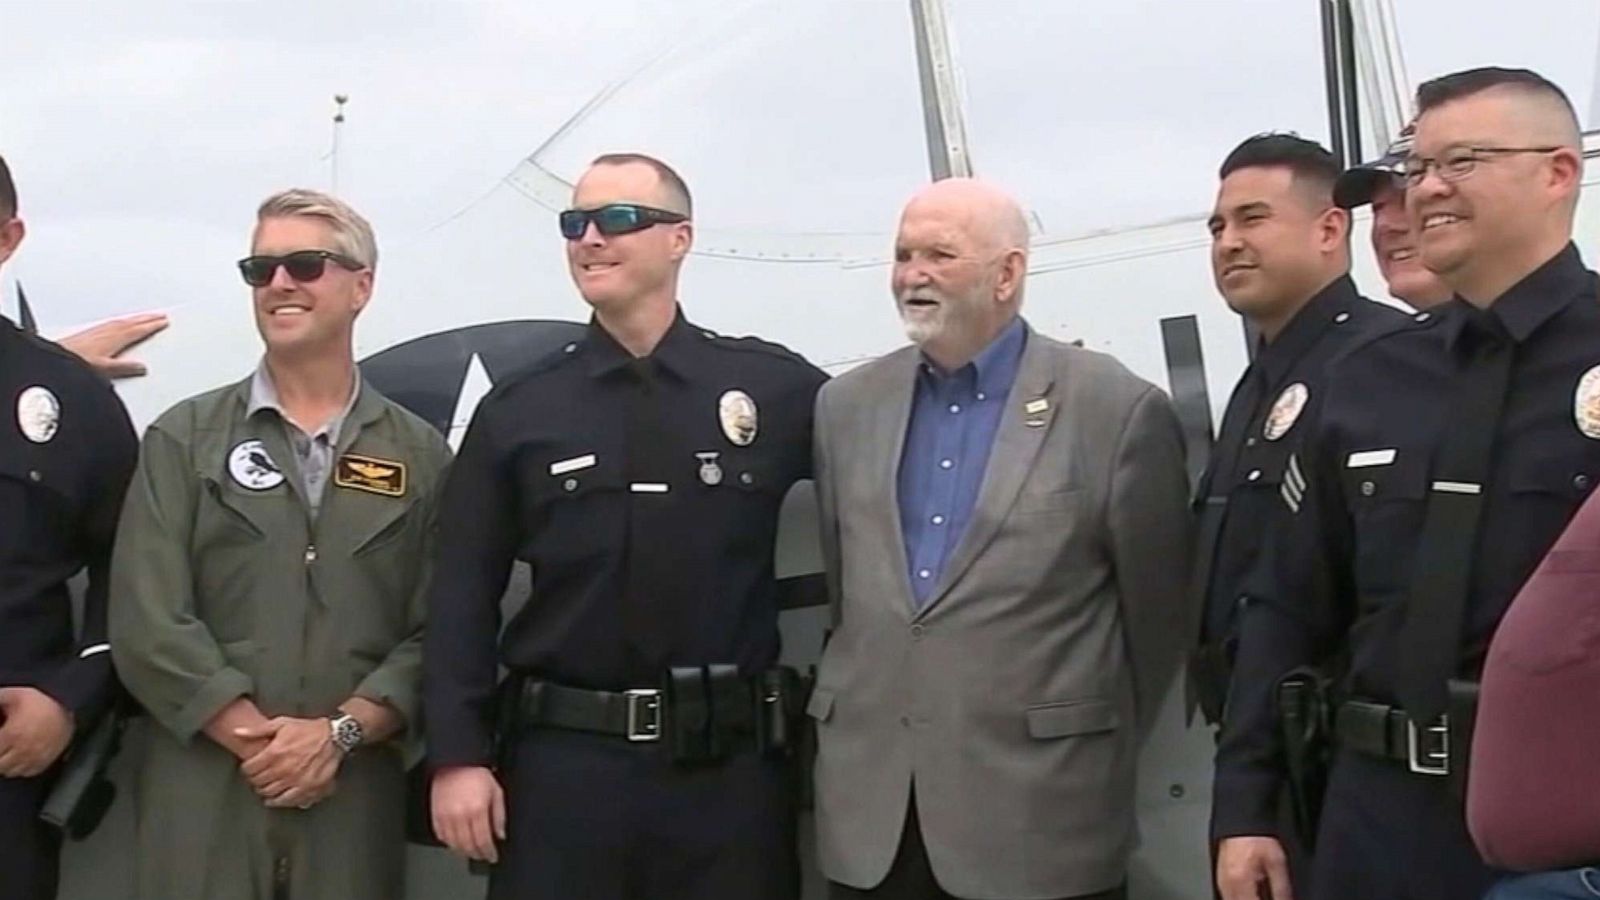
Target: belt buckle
point(1430, 760)
point(644, 714)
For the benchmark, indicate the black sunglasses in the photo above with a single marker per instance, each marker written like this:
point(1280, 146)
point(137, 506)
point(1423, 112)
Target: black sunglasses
point(302, 265)
point(614, 219)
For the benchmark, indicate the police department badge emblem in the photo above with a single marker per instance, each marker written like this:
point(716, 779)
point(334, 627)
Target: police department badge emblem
point(710, 469)
point(38, 414)
point(1586, 404)
point(738, 415)
point(252, 468)
point(1286, 410)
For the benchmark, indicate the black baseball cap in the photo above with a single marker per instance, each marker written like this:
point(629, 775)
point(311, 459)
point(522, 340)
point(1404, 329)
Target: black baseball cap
point(1357, 185)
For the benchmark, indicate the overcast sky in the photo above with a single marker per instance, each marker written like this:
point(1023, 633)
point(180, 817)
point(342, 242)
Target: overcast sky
point(143, 133)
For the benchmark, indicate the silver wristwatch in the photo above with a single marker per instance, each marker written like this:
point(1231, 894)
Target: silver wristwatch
point(346, 732)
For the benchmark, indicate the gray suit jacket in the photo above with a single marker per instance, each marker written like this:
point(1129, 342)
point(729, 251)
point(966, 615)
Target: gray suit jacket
point(1016, 698)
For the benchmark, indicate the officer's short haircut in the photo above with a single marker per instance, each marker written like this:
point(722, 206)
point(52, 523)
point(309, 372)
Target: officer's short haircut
point(8, 192)
point(1466, 83)
point(351, 232)
point(677, 190)
point(1314, 168)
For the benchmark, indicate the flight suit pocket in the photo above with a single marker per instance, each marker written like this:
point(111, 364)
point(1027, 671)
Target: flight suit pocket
point(388, 527)
point(217, 508)
point(1072, 718)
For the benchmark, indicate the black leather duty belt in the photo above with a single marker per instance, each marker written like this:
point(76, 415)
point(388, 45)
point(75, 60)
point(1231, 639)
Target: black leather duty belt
point(703, 713)
point(1386, 732)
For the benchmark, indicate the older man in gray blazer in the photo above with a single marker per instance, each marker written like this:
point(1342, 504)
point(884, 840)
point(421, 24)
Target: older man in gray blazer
point(1005, 528)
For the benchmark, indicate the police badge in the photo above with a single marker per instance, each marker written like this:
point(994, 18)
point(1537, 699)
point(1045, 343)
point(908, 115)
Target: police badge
point(252, 468)
point(1586, 404)
point(1286, 411)
point(38, 414)
point(737, 413)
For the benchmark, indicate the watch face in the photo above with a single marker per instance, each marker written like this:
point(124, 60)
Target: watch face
point(347, 733)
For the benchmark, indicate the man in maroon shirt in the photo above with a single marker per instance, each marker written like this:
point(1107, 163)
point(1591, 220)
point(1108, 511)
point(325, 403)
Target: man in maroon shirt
point(1533, 783)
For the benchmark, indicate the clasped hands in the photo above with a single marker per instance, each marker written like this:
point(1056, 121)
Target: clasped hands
point(289, 762)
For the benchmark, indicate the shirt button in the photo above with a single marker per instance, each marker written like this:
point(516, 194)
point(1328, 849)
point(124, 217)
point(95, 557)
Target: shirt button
point(955, 407)
point(1255, 475)
point(905, 721)
point(570, 485)
point(916, 631)
point(1423, 317)
point(1368, 489)
point(982, 396)
point(946, 463)
point(570, 348)
point(33, 475)
point(1580, 481)
point(1250, 442)
point(939, 520)
point(746, 478)
point(924, 574)
point(1342, 318)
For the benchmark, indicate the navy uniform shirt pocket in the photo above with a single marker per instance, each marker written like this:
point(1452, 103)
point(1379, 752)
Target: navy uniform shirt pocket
point(1386, 491)
point(572, 504)
point(41, 499)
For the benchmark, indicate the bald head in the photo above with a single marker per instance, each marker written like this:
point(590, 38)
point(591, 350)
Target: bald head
point(961, 255)
point(990, 214)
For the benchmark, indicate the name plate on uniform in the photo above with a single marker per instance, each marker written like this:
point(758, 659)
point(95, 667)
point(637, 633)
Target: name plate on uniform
point(1367, 458)
point(370, 474)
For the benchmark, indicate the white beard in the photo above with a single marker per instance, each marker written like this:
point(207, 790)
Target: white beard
point(923, 327)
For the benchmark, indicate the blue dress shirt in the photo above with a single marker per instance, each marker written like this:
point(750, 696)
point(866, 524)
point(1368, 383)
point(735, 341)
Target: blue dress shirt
point(954, 417)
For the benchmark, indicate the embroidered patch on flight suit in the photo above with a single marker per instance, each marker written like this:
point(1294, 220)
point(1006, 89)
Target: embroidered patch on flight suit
point(370, 474)
point(252, 468)
point(1286, 410)
point(38, 414)
point(1586, 404)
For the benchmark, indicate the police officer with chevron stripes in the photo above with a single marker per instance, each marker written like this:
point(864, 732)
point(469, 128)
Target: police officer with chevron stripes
point(641, 746)
point(1436, 468)
point(67, 451)
point(1280, 252)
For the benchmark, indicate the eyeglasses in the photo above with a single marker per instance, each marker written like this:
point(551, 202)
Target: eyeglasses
point(1457, 163)
point(302, 265)
point(614, 219)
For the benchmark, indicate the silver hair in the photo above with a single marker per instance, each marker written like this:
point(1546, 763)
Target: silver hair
point(351, 232)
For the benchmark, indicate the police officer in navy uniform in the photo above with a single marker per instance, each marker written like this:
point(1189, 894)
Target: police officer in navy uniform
point(1280, 253)
point(1438, 466)
point(67, 451)
point(639, 472)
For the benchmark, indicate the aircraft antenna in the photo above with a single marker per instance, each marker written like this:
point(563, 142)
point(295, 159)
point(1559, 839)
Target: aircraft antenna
point(339, 100)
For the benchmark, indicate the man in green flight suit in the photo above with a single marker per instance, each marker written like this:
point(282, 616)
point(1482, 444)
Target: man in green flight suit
point(269, 578)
